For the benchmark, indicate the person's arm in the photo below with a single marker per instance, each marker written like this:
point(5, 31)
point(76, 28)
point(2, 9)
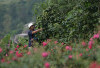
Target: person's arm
point(36, 31)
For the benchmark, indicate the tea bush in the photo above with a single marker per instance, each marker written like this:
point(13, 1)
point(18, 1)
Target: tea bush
point(67, 22)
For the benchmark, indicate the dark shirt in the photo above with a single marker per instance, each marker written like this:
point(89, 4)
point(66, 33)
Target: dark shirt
point(31, 36)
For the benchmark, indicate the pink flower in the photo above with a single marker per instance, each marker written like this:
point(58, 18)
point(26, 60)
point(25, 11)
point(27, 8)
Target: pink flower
point(44, 44)
point(91, 43)
point(0, 50)
point(47, 65)
point(29, 53)
point(51, 49)
point(83, 43)
point(8, 44)
point(11, 52)
point(98, 66)
point(69, 48)
point(96, 36)
point(55, 42)
point(90, 46)
point(70, 56)
point(62, 43)
point(17, 46)
point(25, 46)
point(2, 60)
point(44, 54)
point(80, 54)
point(15, 49)
point(54, 48)
point(87, 49)
point(91, 39)
point(93, 65)
point(89, 55)
point(6, 54)
point(18, 54)
point(8, 62)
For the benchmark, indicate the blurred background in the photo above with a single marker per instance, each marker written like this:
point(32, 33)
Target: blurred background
point(14, 14)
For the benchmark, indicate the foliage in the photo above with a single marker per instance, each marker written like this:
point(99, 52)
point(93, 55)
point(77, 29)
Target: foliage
point(63, 21)
point(74, 20)
point(59, 55)
point(5, 41)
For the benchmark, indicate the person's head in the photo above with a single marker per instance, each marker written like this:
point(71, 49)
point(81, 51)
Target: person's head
point(31, 26)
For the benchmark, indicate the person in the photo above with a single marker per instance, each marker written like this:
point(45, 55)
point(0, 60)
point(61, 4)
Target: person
point(31, 34)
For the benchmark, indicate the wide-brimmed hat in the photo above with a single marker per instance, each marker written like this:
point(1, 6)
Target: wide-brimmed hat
point(30, 24)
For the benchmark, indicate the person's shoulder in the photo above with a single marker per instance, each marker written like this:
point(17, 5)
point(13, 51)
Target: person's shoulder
point(30, 32)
